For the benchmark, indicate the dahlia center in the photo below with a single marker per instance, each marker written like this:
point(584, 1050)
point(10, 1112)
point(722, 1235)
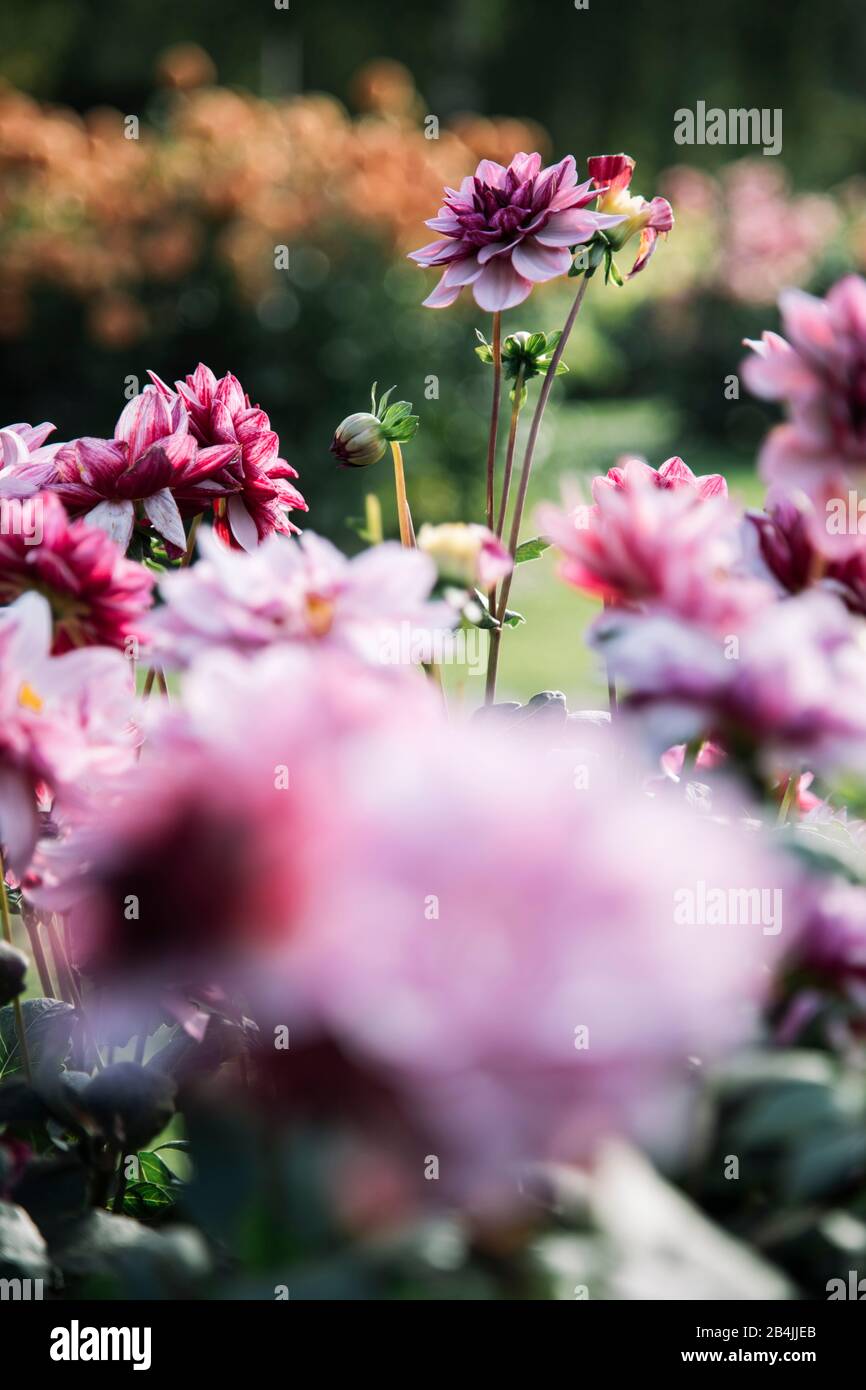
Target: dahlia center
point(320, 614)
point(28, 698)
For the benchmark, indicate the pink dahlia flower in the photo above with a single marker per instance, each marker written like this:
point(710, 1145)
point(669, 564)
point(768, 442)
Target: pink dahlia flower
point(152, 464)
point(818, 370)
point(611, 175)
point(643, 542)
point(64, 722)
point(505, 230)
point(788, 684)
point(25, 458)
point(97, 597)
point(228, 823)
point(262, 494)
point(504, 1043)
point(786, 533)
point(299, 590)
point(674, 473)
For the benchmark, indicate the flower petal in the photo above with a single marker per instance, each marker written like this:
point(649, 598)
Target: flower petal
point(539, 263)
point(116, 519)
point(162, 512)
point(500, 286)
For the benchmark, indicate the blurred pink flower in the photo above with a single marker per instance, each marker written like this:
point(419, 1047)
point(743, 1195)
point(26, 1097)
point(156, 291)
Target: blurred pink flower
point(786, 532)
point(362, 869)
point(262, 493)
point(674, 473)
point(788, 683)
point(506, 1036)
point(819, 371)
point(298, 590)
point(507, 229)
point(233, 816)
point(64, 722)
point(97, 597)
point(670, 541)
point(465, 554)
point(152, 463)
point(611, 174)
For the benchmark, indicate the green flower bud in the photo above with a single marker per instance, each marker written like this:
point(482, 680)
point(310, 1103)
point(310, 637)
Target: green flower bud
point(362, 438)
point(359, 440)
point(524, 355)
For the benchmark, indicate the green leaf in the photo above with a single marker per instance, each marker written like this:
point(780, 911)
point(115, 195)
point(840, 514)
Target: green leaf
point(531, 550)
point(153, 1169)
point(48, 1027)
point(142, 1199)
point(182, 1144)
point(512, 618)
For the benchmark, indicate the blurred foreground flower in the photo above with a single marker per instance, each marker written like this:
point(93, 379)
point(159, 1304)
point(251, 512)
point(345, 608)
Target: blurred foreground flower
point(467, 555)
point(669, 540)
point(298, 590)
point(787, 686)
point(819, 371)
point(64, 722)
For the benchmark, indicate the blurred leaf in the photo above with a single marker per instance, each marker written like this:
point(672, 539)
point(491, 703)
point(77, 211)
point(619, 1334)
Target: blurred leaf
point(531, 550)
point(826, 1162)
point(48, 1025)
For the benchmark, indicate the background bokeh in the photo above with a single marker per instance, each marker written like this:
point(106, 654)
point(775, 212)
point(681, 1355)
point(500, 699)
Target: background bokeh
point(308, 128)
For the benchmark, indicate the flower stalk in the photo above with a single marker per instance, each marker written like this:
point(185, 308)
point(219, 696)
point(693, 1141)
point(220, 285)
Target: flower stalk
point(526, 471)
point(6, 924)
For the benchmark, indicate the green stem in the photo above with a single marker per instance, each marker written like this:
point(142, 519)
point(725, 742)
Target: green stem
point(494, 414)
point(31, 923)
point(404, 516)
point(789, 798)
point(516, 407)
point(6, 922)
point(538, 416)
point(190, 541)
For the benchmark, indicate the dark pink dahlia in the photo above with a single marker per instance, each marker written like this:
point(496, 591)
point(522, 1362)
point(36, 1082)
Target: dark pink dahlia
point(97, 598)
point(150, 468)
point(220, 413)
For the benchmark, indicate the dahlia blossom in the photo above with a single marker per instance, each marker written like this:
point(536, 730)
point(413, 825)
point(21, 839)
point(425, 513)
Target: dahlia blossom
point(507, 229)
point(611, 174)
point(501, 1042)
point(468, 555)
point(788, 684)
point(296, 590)
point(64, 722)
point(671, 542)
point(819, 371)
point(234, 814)
point(260, 493)
point(151, 464)
point(786, 532)
point(674, 473)
point(25, 458)
point(97, 597)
